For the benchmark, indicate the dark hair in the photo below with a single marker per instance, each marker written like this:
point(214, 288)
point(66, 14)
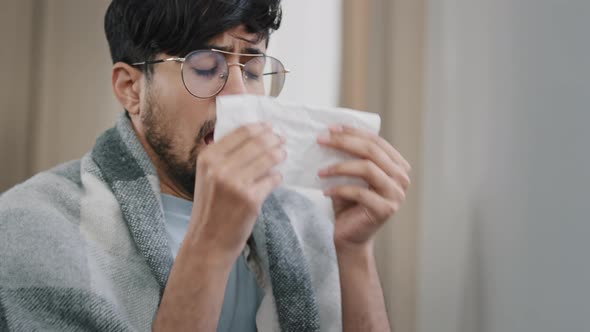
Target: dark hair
point(137, 30)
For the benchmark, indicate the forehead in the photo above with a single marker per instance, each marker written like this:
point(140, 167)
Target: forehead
point(238, 40)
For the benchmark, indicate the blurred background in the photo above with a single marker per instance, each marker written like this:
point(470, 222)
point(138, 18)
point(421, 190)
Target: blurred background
point(486, 98)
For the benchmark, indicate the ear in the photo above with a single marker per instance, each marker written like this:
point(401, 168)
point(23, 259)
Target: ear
point(127, 86)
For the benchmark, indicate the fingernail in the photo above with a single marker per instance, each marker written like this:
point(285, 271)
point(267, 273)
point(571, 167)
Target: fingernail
point(267, 125)
point(323, 139)
point(324, 172)
point(327, 193)
point(336, 129)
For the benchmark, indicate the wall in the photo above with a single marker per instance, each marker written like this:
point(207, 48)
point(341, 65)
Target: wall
point(309, 44)
point(16, 31)
point(74, 100)
point(506, 167)
point(55, 88)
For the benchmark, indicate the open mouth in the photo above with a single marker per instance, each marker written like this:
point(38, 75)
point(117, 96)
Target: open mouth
point(209, 137)
point(207, 132)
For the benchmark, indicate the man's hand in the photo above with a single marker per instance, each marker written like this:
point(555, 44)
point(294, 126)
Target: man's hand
point(359, 211)
point(234, 177)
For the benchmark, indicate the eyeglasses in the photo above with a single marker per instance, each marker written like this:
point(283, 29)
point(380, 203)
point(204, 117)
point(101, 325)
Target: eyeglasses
point(205, 72)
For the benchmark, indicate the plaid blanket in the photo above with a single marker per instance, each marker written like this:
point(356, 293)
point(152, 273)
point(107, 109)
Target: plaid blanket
point(83, 247)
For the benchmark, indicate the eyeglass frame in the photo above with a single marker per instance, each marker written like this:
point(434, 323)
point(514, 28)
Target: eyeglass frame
point(241, 65)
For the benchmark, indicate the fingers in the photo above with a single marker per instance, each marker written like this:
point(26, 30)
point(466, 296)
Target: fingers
point(383, 144)
point(378, 164)
point(362, 148)
point(364, 144)
point(385, 184)
point(266, 184)
point(380, 208)
point(247, 154)
point(266, 145)
point(263, 164)
point(239, 136)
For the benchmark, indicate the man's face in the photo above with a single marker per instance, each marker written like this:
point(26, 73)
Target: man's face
point(177, 125)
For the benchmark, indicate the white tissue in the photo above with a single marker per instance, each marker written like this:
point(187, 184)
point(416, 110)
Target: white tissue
point(300, 125)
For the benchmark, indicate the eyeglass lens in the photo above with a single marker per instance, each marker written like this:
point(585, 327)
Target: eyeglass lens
point(205, 73)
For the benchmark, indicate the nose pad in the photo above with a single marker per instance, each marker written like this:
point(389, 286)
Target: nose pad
point(235, 81)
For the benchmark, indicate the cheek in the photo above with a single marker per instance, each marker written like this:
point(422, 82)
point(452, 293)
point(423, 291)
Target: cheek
point(184, 114)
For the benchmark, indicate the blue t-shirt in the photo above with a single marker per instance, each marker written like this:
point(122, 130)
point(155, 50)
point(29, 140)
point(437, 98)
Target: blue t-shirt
point(242, 293)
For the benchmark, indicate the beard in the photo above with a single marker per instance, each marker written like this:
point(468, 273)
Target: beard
point(159, 135)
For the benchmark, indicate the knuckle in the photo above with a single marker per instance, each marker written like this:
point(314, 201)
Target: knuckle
point(252, 202)
point(335, 139)
point(337, 169)
point(380, 140)
point(265, 140)
point(361, 195)
point(376, 140)
point(372, 149)
point(233, 190)
point(218, 176)
point(269, 159)
point(204, 159)
point(391, 209)
point(370, 168)
point(257, 143)
point(249, 130)
point(275, 156)
point(277, 179)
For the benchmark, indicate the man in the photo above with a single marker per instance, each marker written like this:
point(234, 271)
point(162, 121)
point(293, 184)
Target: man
point(161, 228)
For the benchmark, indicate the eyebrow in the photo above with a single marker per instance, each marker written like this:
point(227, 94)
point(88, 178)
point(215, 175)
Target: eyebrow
point(246, 50)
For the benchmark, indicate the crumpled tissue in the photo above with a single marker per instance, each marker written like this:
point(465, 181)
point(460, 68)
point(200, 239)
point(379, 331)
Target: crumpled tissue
point(300, 125)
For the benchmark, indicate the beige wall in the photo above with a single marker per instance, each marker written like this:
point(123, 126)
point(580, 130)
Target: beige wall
point(55, 84)
point(383, 73)
point(74, 99)
point(16, 30)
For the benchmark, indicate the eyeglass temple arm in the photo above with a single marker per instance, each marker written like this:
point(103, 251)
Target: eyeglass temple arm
point(278, 72)
point(182, 60)
point(157, 61)
point(238, 54)
point(252, 55)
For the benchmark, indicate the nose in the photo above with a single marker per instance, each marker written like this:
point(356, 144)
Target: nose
point(235, 83)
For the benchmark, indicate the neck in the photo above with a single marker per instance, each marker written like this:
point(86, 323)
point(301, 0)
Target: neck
point(168, 186)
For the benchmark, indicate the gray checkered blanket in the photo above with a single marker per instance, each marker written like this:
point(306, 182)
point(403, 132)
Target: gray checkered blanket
point(83, 247)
